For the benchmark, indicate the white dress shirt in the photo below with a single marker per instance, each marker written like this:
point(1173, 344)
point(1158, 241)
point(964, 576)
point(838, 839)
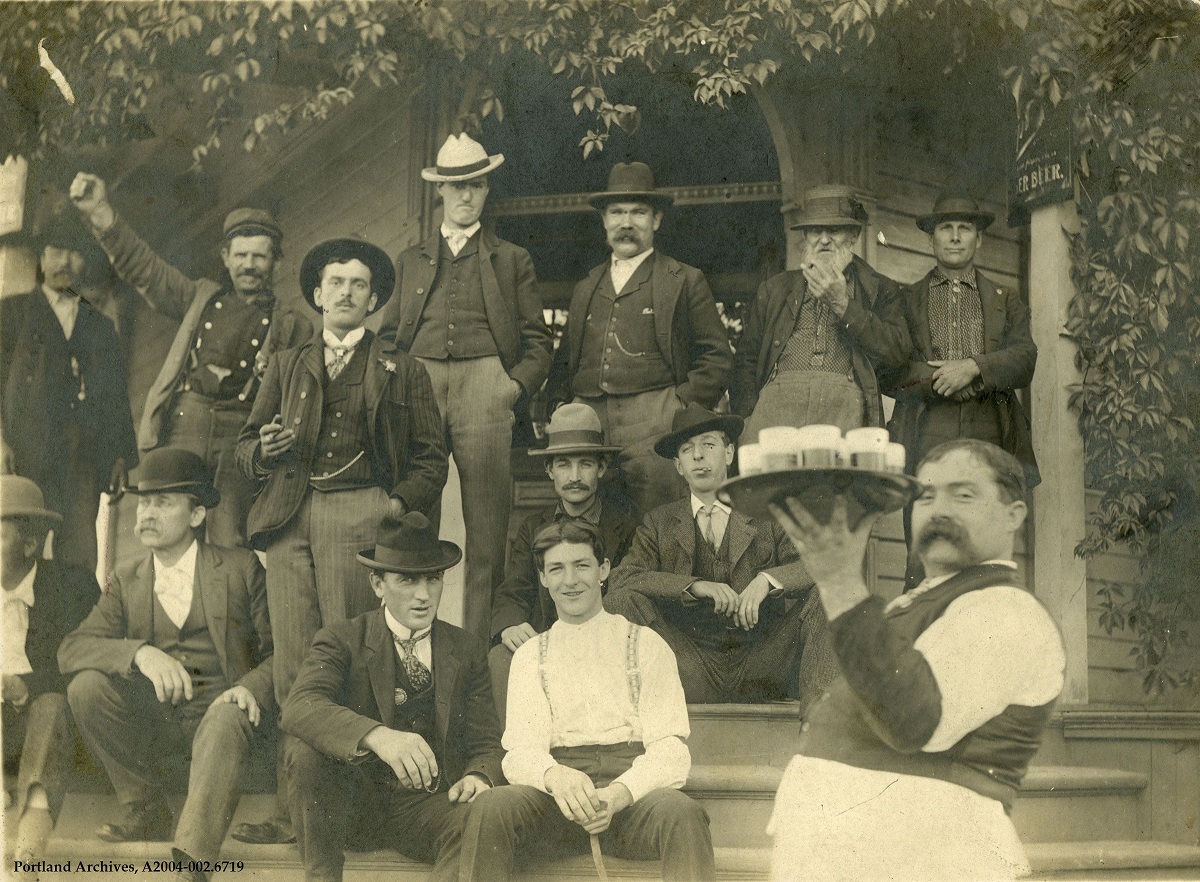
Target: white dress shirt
point(623, 268)
point(456, 238)
point(17, 603)
point(590, 704)
point(348, 343)
point(173, 586)
point(423, 649)
point(66, 309)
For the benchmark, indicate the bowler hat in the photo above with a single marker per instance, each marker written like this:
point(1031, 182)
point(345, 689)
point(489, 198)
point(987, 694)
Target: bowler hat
point(694, 420)
point(955, 206)
point(574, 428)
point(175, 470)
point(631, 182)
point(21, 498)
point(409, 544)
point(251, 222)
point(66, 231)
point(461, 158)
point(383, 275)
point(831, 205)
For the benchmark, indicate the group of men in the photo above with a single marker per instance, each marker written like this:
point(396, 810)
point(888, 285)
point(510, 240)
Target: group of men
point(636, 591)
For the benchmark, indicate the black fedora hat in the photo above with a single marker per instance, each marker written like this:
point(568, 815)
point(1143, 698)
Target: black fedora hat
point(383, 274)
point(409, 544)
point(955, 206)
point(692, 421)
point(631, 182)
point(175, 470)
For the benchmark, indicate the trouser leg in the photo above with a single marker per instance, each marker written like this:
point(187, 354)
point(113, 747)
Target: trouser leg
point(669, 825)
point(47, 749)
point(506, 821)
point(699, 673)
point(499, 664)
point(320, 793)
point(793, 658)
point(291, 598)
point(426, 827)
point(341, 525)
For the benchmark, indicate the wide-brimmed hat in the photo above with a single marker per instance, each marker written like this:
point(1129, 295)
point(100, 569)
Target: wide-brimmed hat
point(409, 544)
point(175, 470)
point(574, 428)
point(21, 498)
point(694, 420)
point(383, 274)
point(461, 158)
point(251, 222)
point(631, 182)
point(831, 205)
point(955, 206)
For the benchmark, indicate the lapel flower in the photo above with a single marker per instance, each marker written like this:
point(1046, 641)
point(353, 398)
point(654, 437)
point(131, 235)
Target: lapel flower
point(388, 365)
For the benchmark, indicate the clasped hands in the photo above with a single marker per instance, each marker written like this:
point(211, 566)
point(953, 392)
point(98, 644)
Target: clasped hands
point(742, 608)
point(581, 801)
point(954, 379)
point(415, 766)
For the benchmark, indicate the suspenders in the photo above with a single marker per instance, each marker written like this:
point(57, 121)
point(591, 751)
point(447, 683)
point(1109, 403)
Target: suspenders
point(633, 674)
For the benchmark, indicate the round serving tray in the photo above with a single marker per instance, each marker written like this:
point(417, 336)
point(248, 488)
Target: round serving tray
point(866, 491)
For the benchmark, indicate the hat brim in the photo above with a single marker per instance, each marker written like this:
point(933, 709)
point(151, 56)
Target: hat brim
point(981, 219)
point(825, 220)
point(432, 174)
point(574, 449)
point(655, 198)
point(450, 555)
point(41, 514)
point(383, 274)
point(205, 495)
point(731, 424)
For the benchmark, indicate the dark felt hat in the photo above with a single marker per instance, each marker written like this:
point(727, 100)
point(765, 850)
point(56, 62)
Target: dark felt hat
point(65, 230)
point(694, 420)
point(574, 428)
point(955, 206)
point(251, 222)
point(631, 182)
point(831, 205)
point(175, 470)
point(409, 544)
point(383, 274)
point(21, 498)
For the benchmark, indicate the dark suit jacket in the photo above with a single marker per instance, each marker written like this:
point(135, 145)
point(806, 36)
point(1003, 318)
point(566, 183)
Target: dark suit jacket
point(510, 300)
point(687, 326)
point(347, 683)
point(39, 392)
point(63, 593)
point(873, 320)
point(232, 587)
point(660, 562)
point(404, 431)
point(1006, 365)
point(521, 597)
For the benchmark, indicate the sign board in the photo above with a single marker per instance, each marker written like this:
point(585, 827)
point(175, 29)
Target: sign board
point(1043, 170)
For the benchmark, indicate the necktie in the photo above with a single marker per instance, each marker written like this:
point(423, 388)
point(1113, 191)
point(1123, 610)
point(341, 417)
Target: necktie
point(706, 518)
point(418, 675)
point(340, 356)
point(456, 240)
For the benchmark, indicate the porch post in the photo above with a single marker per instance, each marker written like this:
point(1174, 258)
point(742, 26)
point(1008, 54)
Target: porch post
point(1059, 577)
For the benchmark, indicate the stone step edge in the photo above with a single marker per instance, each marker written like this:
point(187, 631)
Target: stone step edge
point(775, 710)
point(1048, 781)
point(1112, 854)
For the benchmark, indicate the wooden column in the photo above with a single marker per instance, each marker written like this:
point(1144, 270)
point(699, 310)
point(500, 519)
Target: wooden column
point(1059, 577)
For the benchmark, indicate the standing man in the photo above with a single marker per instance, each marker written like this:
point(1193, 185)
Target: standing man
point(815, 336)
point(575, 459)
point(596, 742)
point(644, 338)
point(714, 583)
point(393, 728)
point(227, 333)
point(44, 600)
point(944, 692)
point(66, 423)
point(467, 307)
point(175, 660)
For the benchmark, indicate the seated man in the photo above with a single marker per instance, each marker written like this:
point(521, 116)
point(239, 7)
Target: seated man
point(576, 459)
point(944, 695)
point(391, 729)
point(715, 584)
point(596, 738)
point(175, 660)
point(43, 601)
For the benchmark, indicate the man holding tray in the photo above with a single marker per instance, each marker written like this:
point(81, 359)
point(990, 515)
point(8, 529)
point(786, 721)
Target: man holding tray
point(715, 584)
point(944, 691)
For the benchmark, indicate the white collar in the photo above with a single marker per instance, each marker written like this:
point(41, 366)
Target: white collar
point(349, 341)
point(399, 631)
point(632, 262)
point(697, 504)
point(59, 298)
point(24, 590)
point(186, 563)
point(470, 231)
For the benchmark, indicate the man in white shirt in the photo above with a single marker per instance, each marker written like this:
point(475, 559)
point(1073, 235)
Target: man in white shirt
point(944, 694)
point(596, 736)
point(175, 660)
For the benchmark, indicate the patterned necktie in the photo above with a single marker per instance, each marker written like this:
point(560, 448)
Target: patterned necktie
point(418, 675)
point(340, 357)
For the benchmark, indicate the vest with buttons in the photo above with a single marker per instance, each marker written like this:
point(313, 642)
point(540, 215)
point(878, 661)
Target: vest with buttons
point(231, 332)
point(192, 646)
point(619, 354)
point(415, 710)
point(454, 322)
point(340, 459)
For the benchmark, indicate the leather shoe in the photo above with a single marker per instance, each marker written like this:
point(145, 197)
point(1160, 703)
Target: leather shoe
point(264, 833)
point(147, 823)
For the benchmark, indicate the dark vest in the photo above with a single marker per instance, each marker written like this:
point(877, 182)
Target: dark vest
point(991, 760)
point(415, 711)
point(344, 430)
point(454, 322)
point(231, 332)
point(619, 354)
point(192, 646)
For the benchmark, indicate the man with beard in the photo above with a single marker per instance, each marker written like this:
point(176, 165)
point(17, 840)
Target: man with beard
point(228, 330)
point(944, 691)
point(815, 336)
point(66, 423)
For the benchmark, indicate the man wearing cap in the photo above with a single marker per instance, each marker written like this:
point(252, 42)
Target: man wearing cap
point(467, 307)
point(392, 729)
point(43, 601)
point(575, 460)
point(66, 423)
point(644, 337)
point(175, 660)
point(715, 583)
point(816, 336)
point(228, 330)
